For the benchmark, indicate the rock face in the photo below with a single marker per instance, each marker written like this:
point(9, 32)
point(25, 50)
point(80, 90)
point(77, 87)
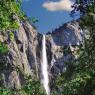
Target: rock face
point(25, 52)
point(61, 45)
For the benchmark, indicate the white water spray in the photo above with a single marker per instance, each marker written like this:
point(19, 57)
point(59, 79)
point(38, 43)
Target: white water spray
point(44, 66)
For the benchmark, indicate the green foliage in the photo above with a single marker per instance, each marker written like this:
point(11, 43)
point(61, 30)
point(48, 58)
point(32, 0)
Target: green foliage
point(11, 34)
point(33, 19)
point(33, 87)
point(74, 86)
point(55, 93)
point(81, 81)
point(9, 14)
point(3, 48)
point(5, 91)
point(79, 78)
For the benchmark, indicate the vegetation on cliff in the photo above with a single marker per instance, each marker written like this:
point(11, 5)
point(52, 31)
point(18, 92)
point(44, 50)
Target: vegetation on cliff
point(79, 81)
point(9, 14)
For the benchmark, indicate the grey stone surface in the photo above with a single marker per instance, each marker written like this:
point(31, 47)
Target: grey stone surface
point(25, 52)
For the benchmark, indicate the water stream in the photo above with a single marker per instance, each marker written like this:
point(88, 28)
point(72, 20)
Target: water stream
point(44, 68)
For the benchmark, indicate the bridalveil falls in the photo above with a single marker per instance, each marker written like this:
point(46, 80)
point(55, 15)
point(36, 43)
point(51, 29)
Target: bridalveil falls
point(44, 68)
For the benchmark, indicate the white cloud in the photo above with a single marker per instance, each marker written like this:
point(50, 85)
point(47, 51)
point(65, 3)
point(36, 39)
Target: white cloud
point(58, 5)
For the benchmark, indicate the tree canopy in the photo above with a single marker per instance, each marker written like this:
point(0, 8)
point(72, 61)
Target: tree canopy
point(9, 13)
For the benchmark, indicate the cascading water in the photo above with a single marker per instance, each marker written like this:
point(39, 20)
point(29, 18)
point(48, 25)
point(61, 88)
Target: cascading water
point(44, 68)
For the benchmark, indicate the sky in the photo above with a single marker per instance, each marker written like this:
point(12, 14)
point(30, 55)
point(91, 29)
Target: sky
point(50, 13)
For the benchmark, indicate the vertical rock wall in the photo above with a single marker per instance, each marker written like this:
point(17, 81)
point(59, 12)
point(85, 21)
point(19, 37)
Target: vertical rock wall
point(25, 52)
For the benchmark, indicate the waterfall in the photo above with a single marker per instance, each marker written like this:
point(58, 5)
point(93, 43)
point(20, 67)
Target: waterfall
point(44, 68)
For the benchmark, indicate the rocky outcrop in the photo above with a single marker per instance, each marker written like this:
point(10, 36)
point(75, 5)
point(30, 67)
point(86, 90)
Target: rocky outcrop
point(62, 45)
point(23, 56)
point(25, 52)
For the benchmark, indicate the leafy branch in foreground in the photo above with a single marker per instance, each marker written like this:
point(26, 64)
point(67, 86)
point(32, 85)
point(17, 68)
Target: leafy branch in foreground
point(10, 11)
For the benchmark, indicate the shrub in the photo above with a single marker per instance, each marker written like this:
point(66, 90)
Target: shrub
point(3, 48)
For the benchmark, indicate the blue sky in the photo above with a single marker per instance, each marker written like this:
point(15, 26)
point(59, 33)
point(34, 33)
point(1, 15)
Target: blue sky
point(50, 14)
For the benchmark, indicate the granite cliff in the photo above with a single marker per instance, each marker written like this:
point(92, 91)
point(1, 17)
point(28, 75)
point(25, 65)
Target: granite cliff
point(25, 52)
point(23, 57)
